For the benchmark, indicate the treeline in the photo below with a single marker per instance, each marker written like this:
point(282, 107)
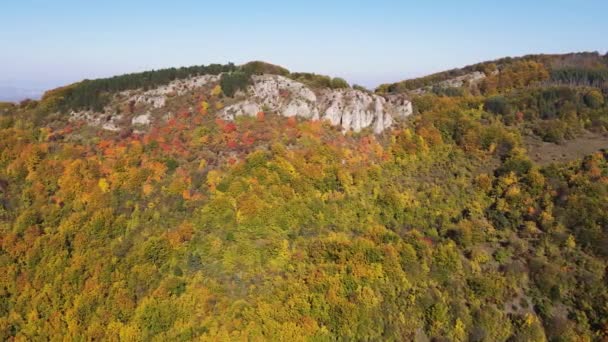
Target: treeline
point(554, 114)
point(581, 76)
point(95, 94)
point(319, 81)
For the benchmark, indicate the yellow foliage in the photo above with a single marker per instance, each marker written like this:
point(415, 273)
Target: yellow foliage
point(508, 179)
point(570, 242)
point(529, 319)
point(213, 178)
point(513, 191)
point(204, 107)
point(216, 91)
point(103, 185)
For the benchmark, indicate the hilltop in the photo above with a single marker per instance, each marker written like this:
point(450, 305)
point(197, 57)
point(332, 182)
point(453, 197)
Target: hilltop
point(227, 202)
point(246, 90)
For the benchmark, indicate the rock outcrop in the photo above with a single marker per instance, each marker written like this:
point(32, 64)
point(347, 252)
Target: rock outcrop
point(157, 97)
point(456, 82)
point(348, 108)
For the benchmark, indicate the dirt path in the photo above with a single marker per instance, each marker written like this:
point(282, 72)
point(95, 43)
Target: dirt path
point(545, 153)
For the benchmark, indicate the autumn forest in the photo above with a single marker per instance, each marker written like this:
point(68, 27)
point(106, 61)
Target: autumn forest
point(455, 224)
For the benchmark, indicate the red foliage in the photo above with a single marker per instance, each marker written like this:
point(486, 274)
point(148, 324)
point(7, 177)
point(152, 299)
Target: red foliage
point(171, 122)
point(428, 241)
point(165, 147)
point(229, 127)
point(232, 144)
point(226, 127)
point(184, 114)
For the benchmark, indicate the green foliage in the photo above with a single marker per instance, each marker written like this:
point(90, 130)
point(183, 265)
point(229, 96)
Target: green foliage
point(312, 80)
point(498, 105)
point(234, 81)
point(339, 83)
point(259, 68)
point(360, 88)
point(448, 91)
point(581, 76)
point(594, 99)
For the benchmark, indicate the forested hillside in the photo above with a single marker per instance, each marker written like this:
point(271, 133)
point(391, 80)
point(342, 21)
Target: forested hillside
point(442, 228)
point(575, 69)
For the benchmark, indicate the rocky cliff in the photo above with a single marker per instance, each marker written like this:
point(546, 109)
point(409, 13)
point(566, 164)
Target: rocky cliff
point(348, 108)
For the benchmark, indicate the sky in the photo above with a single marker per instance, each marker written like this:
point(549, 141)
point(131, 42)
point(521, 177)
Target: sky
point(46, 44)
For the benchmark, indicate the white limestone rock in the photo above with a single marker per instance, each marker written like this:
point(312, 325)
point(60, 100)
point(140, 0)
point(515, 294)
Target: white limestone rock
point(110, 126)
point(143, 119)
point(348, 108)
point(247, 108)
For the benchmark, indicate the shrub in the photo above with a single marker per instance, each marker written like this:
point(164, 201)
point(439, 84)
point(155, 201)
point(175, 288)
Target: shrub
point(234, 81)
point(448, 91)
point(520, 166)
point(360, 88)
point(498, 105)
point(554, 131)
point(259, 68)
point(594, 99)
point(339, 83)
point(312, 80)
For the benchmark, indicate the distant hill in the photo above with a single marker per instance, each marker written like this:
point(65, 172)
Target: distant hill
point(15, 94)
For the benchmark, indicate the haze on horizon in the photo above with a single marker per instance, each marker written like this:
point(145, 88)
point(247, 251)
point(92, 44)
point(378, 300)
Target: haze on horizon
point(49, 44)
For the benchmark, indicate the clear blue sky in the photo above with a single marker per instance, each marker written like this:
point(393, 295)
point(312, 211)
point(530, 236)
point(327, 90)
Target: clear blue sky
point(50, 43)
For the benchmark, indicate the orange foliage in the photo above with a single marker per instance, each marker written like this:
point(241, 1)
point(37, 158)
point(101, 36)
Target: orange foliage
point(260, 116)
point(180, 235)
point(247, 139)
point(292, 121)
